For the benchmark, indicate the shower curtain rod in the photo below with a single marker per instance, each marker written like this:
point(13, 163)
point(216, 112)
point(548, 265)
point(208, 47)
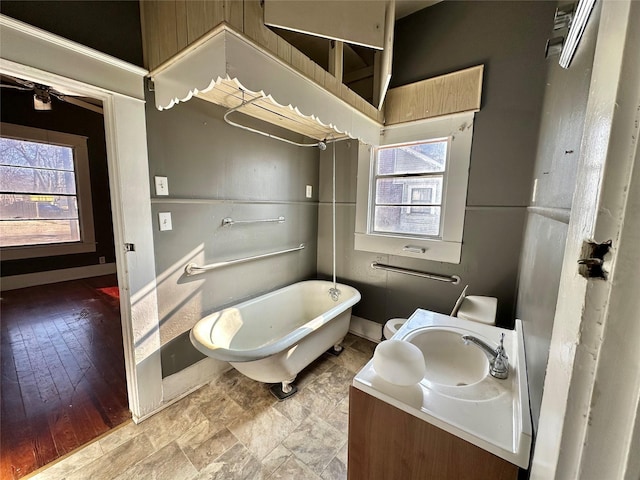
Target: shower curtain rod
point(321, 145)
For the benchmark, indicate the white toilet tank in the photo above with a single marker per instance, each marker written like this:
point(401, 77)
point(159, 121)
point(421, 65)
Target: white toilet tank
point(479, 309)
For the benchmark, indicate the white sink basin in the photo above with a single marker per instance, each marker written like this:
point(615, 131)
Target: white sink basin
point(457, 393)
point(448, 360)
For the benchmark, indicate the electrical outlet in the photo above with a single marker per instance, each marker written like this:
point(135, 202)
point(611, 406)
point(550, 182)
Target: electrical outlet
point(162, 186)
point(309, 191)
point(102, 260)
point(164, 219)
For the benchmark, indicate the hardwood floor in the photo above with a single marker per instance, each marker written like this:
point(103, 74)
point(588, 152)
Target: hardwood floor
point(62, 372)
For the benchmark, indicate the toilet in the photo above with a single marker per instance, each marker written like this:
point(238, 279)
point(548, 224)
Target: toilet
point(391, 327)
point(479, 309)
point(476, 308)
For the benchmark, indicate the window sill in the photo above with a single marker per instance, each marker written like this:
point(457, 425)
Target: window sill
point(436, 250)
point(19, 253)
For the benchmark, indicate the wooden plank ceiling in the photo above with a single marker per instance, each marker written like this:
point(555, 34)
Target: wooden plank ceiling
point(229, 93)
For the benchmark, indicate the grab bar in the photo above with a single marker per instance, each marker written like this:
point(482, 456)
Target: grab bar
point(193, 269)
point(227, 222)
point(454, 279)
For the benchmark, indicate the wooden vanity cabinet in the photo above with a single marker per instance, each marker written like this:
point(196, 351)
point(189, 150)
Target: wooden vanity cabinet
point(386, 443)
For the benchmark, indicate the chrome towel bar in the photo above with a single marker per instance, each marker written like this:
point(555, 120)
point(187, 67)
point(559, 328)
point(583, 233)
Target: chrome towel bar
point(193, 269)
point(227, 222)
point(454, 279)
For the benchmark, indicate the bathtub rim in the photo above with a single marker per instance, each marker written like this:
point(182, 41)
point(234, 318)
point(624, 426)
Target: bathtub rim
point(200, 338)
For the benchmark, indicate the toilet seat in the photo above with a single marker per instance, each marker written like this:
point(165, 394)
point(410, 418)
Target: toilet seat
point(392, 326)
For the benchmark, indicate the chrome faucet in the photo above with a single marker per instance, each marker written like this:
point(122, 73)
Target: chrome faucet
point(498, 360)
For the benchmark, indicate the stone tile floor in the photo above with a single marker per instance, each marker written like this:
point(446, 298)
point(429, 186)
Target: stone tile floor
point(233, 428)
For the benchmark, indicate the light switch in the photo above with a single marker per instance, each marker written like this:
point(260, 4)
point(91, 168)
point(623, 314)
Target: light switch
point(162, 186)
point(309, 191)
point(164, 219)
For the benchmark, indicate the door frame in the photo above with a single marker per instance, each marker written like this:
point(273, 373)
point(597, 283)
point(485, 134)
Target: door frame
point(589, 420)
point(36, 55)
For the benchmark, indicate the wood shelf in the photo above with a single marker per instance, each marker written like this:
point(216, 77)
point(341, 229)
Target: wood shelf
point(171, 26)
point(225, 67)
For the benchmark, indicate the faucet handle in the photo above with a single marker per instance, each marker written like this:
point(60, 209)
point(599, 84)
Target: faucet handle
point(500, 364)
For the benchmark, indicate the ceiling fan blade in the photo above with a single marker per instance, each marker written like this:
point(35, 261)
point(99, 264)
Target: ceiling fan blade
point(15, 87)
point(80, 103)
point(23, 83)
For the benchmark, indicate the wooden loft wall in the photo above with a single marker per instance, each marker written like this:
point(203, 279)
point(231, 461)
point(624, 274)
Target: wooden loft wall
point(455, 92)
point(168, 26)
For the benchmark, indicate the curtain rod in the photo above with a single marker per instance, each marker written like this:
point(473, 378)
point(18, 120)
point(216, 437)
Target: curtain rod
point(321, 145)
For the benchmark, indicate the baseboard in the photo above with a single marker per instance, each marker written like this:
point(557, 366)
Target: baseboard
point(14, 282)
point(182, 383)
point(366, 328)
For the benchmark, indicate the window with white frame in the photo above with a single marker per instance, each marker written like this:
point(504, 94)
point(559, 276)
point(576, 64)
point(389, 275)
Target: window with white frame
point(412, 189)
point(407, 188)
point(45, 193)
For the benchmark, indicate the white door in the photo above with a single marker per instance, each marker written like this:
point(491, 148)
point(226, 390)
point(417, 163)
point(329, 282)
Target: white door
point(589, 426)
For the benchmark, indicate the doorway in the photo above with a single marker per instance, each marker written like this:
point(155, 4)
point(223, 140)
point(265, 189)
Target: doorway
point(38, 56)
point(63, 379)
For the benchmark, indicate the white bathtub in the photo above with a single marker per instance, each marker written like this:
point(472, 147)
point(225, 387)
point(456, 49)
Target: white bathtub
point(271, 338)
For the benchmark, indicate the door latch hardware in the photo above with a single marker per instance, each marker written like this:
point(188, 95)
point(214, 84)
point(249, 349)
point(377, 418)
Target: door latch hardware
point(592, 259)
point(129, 247)
point(591, 262)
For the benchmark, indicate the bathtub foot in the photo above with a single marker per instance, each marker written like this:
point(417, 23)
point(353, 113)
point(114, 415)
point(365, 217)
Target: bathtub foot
point(335, 350)
point(283, 390)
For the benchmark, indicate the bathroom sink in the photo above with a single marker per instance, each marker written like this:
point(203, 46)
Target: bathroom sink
point(448, 360)
point(457, 393)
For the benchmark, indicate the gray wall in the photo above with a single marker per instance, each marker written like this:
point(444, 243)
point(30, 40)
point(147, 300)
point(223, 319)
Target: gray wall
point(547, 220)
point(216, 171)
point(509, 39)
point(110, 26)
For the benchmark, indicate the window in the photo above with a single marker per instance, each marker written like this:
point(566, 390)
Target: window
point(45, 200)
point(407, 190)
point(412, 189)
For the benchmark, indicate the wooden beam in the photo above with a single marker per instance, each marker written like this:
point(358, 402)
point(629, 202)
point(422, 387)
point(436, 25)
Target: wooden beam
point(336, 59)
point(359, 74)
point(385, 60)
point(377, 74)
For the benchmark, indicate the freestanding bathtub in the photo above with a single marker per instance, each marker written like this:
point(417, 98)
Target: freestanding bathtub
point(271, 338)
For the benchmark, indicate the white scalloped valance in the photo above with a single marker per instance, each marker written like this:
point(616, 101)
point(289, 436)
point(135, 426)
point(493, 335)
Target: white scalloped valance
point(227, 68)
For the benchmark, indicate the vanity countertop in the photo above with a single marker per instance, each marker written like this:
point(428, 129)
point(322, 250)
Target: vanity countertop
point(492, 414)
